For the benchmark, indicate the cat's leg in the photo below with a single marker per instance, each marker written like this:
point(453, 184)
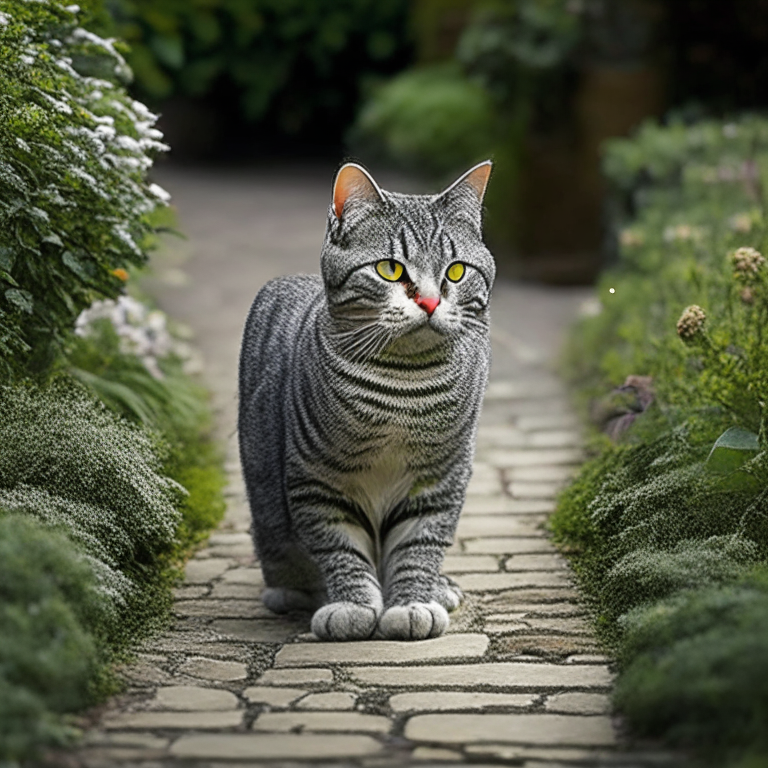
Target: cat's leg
point(343, 554)
point(418, 598)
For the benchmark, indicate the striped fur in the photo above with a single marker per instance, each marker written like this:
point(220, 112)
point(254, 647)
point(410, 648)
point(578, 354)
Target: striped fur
point(358, 414)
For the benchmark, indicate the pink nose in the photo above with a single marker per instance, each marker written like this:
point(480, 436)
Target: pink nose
point(427, 303)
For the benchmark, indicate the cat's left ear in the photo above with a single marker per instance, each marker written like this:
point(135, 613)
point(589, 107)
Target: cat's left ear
point(474, 181)
point(354, 183)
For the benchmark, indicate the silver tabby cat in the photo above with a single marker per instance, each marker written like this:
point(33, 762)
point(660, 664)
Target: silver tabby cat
point(359, 397)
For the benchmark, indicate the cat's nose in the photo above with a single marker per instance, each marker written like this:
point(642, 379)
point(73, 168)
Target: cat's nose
point(427, 303)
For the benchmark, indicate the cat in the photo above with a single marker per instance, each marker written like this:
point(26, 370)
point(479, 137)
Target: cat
point(359, 395)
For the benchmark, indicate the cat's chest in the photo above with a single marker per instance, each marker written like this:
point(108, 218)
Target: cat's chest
point(383, 482)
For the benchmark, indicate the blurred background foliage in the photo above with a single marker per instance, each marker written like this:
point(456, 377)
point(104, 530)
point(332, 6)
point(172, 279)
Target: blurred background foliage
point(294, 69)
point(432, 86)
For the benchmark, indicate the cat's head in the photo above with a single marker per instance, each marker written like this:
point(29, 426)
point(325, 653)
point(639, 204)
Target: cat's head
point(406, 270)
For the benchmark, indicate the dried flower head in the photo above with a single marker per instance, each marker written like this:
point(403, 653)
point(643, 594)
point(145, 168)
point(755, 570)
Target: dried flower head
point(691, 322)
point(747, 262)
point(747, 295)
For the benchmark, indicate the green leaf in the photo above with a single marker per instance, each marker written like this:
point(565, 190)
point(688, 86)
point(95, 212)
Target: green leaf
point(732, 449)
point(7, 259)
point(22, 299)
point(71, 261)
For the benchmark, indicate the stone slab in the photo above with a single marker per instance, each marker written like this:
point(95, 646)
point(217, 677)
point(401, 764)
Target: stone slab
point(521, 562)
point(470, 564)
point(543, 729)
point(342, 722)
point(545, 422)
point(555, 438)
point(177, 720)
point(543, 387)
point(530, 457)
point(266, 746)
point(382, 651)
point(509, 545)
point(332, 701)
point(579, 703)
point(250, 576)
point(203, 571)
point(503, 505)
point(306, 676)
point(490, 582)
point(223, 609)
point(225, 591)
point(476, 526)
point(273, 697)
point(510, 675)
point(259, 630)
point(545, 473)
point(438, 701)
point(542, 491)
point(214, 669)
point(193, 698)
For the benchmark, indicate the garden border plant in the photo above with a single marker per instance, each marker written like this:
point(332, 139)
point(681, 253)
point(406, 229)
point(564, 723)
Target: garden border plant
point(108, 473)
point(667, 525)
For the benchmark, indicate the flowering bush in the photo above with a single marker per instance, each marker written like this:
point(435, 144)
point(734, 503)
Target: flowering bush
point(75, 204)
point(668, 525)
point(142, 332)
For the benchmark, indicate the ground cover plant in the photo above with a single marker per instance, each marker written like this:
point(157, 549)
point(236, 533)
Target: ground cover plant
point(108, 473)
point(667, 524)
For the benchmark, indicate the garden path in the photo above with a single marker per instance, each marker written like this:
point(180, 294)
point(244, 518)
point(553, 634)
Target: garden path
point(518, 679)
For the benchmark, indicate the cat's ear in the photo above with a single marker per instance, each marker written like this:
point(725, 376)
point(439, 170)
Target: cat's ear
point(475, 180)
point(354, 183)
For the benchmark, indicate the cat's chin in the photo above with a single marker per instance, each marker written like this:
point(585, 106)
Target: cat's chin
point(420, 339)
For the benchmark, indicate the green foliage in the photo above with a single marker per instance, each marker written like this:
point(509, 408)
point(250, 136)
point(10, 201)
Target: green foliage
point(697, 666)
point(71, 141)
point(666, 526)
point(298, 61)
point(431, 120)
point(70, 463)
point(50, 606)
point(172, 404)
point(696, 196)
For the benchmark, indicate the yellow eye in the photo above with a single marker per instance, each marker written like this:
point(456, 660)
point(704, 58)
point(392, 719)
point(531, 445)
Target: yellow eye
point(390, 269)
point(455, 272)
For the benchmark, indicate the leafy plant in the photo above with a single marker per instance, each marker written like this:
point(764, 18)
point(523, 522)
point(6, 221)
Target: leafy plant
point(669, 525)
point(431, 120)
point(71, 141)
point(51, 610)
point(70, 463)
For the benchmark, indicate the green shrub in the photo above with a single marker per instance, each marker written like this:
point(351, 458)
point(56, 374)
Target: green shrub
point(71, 464)
point(697, 670)
point(168, 401)
point(74, 201)
point(51, 610)
point(431, 120)
point(666, 525)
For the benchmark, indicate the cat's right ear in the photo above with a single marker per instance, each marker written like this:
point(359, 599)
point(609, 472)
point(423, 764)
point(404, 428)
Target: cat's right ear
point(353, 183)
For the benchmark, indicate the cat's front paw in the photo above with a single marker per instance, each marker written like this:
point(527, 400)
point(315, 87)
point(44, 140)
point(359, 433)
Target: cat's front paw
point(414, 621)
point(448, 594)
point(345, 621)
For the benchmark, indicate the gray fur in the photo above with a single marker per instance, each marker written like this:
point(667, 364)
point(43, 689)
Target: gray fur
point(358, 416)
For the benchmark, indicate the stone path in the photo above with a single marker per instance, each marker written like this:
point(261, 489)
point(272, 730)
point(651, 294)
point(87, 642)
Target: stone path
point(518, 679)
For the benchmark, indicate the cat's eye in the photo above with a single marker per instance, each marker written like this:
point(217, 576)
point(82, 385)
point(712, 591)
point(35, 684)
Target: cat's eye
point(390, 269)
point(455, 272)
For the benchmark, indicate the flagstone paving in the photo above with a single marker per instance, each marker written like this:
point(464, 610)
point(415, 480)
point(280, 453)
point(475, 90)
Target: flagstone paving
point(518, 679)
